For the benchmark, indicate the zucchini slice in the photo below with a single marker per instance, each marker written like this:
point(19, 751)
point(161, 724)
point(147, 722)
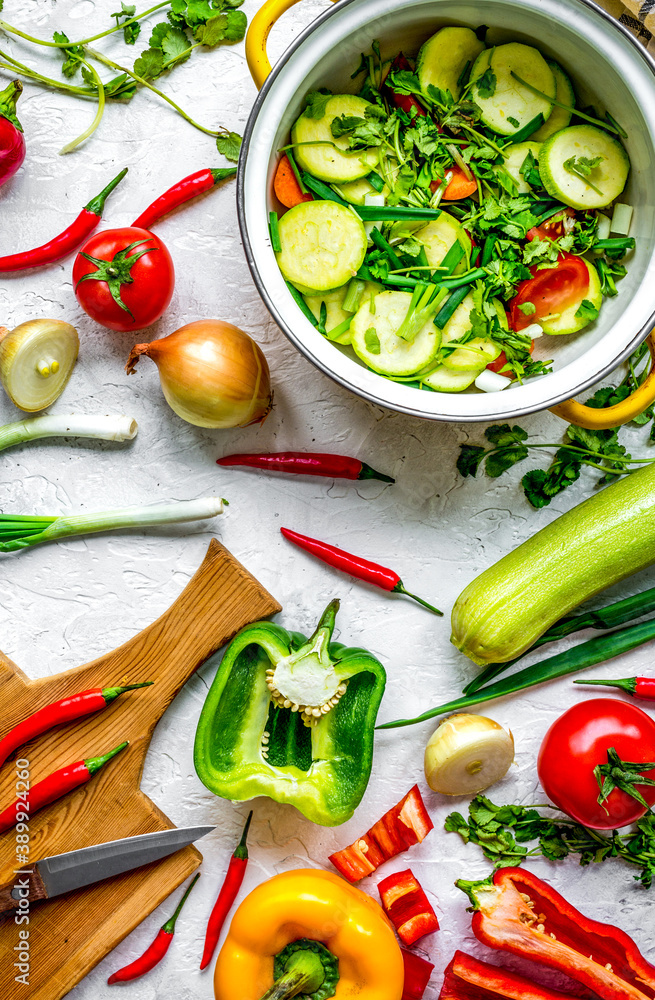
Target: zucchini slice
point(375, 341)
point(460, 321)
point(323, 245)
point(354, 192)
point(443, 58)
point(438, 237)
point(474, 356)
point(500, 97)
point(336, 314)
point(567, 321)
point(446, 380)
point(332, 162)
point(605, 181)
point(559, 118)
point(514, 160)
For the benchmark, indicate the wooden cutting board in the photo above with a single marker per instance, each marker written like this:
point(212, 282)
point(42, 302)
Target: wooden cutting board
point(72, 933)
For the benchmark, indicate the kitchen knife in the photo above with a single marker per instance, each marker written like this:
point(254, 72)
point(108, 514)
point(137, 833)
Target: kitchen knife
point(66, 872)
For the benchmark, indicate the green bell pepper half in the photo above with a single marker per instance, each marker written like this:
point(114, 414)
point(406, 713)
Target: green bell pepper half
point(291, 718)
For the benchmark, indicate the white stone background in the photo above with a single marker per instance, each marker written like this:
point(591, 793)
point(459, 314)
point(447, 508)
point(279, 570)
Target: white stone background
point(63, 604)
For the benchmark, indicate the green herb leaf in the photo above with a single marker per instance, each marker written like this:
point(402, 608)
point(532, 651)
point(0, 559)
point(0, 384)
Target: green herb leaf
point(175, 46)
point(587, 311)
point(528, 308)
point(73, 55)
point(315, 103)
point(372, 341)
point(227, 27)
point(486, 84)
point(469, 459)
point(582, 166)
point(503, 436)
point(150, 64)
point(229, 144)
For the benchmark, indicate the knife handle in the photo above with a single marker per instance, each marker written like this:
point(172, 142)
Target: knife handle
point(26, 886)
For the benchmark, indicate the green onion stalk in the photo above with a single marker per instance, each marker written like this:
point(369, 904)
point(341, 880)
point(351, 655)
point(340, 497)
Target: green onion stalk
point(106, 428)
point(19, 532)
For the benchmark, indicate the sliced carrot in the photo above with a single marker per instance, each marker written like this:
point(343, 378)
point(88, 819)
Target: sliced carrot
point(286, 186)
point(460, 186)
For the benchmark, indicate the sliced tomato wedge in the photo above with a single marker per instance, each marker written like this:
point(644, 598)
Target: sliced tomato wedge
point(407, 906)
point(552, 228)
point(406, 824)
point(501, 361)
point(551, 290)
point(417, 975)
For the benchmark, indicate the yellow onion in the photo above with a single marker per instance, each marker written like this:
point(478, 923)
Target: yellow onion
point(212, 374)
point(466, 754)
point(36, 361)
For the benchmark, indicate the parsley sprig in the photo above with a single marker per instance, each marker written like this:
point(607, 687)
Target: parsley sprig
point(501, 832)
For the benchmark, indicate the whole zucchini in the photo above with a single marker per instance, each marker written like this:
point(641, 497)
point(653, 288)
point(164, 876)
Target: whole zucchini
point(601, 541)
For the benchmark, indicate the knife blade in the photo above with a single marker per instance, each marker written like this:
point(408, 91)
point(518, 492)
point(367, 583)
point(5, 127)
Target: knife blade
point(66, 872)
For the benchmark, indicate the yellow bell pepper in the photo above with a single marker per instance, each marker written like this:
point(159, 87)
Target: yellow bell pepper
point(314, 905)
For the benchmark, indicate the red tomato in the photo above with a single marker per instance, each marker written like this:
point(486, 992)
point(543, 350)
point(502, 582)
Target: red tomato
point(552, 228)
point(577, 742)
point(551, 290)
point(501, 361)
point(142, 278)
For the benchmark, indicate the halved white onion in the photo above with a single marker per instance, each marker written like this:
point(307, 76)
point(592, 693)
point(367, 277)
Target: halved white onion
point(36, 361)
point(467, 754)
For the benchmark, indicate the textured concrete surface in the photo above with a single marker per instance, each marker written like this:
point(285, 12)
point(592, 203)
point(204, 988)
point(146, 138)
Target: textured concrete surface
point(61, 605)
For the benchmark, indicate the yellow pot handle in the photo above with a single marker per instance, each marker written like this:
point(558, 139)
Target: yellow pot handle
point(257, 36)
point(612, 416)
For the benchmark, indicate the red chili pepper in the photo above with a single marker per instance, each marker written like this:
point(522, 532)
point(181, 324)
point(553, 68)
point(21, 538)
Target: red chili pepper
point(153, 955)
point(403, 101)
point(408, 908)
point(361, 569)
point(406, 824)
point(75, 706)
point(308, 464)
point(467, 978)
point(186, 189)
point(229, 891)
point(638, 687)
point(519, 913)
point(417, 975)
point(54, 786)
point(71, 238)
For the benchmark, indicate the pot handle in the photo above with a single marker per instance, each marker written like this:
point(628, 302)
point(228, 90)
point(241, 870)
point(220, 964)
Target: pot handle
point(257, 36)
point(612, 416)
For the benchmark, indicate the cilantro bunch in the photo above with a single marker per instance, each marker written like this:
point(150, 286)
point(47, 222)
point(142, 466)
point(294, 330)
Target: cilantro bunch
point(501, 832)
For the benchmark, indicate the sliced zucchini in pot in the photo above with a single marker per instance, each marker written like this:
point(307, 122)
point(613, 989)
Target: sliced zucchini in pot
point(514, 160)
point(584, 144)
point(559, 118)
point(446, 380)
point(375, 341)
point(438, 237)
point(335, 314)
point(505, 104)
point(443, 58)
point(323, 245)
point(332, 162)
point(474, 356)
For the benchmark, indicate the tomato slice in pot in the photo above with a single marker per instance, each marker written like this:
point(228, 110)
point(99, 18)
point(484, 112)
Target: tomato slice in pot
point(551, 290)
point(552, 228)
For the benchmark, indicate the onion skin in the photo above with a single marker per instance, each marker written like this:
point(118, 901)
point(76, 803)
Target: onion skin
point(212, 374)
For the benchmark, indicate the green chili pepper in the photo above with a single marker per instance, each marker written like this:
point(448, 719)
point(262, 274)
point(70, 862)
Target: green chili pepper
point(291, 718)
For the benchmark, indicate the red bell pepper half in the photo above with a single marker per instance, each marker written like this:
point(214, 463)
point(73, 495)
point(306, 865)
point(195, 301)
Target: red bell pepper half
point(407, 906)
point(518, 912)
point(466, 978)
point(403, 826)
point(417, 975)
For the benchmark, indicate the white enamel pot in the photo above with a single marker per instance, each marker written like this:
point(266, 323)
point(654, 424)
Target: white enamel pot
point(609, 69)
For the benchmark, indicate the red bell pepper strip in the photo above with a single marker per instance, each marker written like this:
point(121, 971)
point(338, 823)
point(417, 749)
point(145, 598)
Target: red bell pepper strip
point(361, 569)
point(75, 706)
point(308, 464)
point(71, 238)
point(638, 687)
point(186, 189)
point(519, 913)
point(229, 891)
point(417, 975)
point(467, 978)
point(550, 290)
point(154, 953)
point(56, 785)
point(406, 824)
point(408, 908)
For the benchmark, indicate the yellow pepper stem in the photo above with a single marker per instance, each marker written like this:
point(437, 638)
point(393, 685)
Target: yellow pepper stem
point(304, 973)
